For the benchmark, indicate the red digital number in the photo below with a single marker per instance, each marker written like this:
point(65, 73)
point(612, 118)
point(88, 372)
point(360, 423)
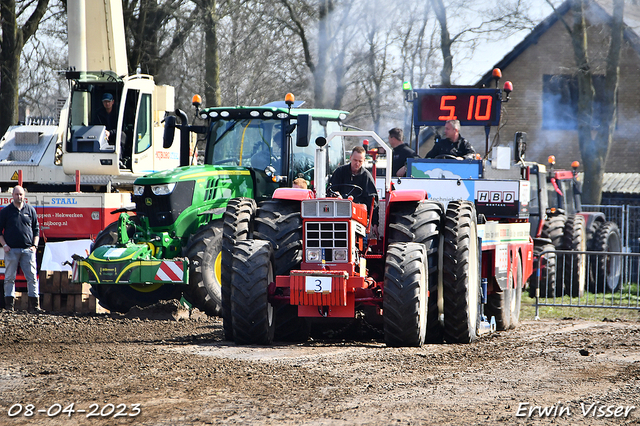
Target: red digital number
point(487, 111)
point(450, 108)
point(476, 113)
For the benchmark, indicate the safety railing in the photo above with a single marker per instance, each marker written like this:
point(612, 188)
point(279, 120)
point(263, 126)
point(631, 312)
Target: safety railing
point(586, 279)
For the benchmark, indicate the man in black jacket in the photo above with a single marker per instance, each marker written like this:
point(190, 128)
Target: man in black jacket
point(355, 174)
point(401, 151)
point(19, 236)
point(454, 144)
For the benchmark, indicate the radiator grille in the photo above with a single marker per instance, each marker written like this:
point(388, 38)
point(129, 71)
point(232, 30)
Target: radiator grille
point(327, 236)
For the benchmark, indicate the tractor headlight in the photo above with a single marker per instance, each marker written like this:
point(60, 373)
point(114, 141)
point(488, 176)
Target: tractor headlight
point(164, 189)
point(340, 255)
point(138, 190)
point(313, 255)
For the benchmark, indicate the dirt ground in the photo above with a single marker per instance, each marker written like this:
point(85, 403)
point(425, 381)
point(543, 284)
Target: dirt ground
point(132, 370)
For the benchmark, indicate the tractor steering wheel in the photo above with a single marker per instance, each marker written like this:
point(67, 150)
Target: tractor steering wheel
point(446, 157)
point(352, 188)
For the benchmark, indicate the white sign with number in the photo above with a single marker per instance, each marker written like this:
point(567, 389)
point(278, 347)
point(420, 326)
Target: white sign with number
point(318, 284)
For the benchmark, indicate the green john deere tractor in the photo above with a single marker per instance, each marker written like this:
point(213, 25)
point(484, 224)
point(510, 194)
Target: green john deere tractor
point(171, 243)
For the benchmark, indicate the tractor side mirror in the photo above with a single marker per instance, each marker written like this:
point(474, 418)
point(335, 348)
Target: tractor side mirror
point(303, 137)
point(169, 131)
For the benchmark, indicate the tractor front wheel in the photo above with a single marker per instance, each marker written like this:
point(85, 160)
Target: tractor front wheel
point(203, 250)
point(405, 295)
point(238, 226)
point(253, 316)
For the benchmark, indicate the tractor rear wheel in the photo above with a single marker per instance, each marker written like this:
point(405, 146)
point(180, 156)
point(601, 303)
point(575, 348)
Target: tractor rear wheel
point(461, 275)
point(544, 256)
point(516, 295)
point(553, 229)
point(280, 223)
point(421, 223)
point(606, 270)
point(573, 268)
point(238, 226)
point(122, 297)
point(405, 295)
point(498, 304)
point(252, 315)
point(203, 250)
point(505, 305)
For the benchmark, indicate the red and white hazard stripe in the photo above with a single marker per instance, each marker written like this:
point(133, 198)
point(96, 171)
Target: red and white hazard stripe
point(170, 271)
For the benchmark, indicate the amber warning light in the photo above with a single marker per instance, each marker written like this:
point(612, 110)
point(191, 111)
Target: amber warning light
point(289, 99)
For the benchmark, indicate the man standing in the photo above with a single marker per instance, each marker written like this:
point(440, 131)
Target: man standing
point(19, 235)
point(401, 151)
point(354, 174)
point(454, 144)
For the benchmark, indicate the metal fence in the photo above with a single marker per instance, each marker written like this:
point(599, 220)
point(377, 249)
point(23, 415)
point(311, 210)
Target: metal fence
point(628, 220)
point(587, 279)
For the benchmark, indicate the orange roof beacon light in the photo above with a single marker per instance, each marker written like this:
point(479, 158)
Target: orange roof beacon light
point(497, 74)
point(551, 160)
point(289, 99)
point(575, 166)
point(196, 101)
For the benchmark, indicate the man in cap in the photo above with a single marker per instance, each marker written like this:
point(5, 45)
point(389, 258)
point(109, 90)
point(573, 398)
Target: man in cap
point(108, 117)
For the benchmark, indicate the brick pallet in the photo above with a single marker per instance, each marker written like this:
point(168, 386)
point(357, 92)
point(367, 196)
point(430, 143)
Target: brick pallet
point(59, 294)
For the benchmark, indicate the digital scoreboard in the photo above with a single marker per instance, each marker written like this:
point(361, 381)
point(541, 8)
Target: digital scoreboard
point(472, 106)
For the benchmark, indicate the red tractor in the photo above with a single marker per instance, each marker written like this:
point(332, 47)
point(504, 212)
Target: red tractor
point(306, 257)
point(559, 223)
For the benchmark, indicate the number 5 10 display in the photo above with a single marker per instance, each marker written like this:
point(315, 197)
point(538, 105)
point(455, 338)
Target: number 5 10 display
point(473, 107)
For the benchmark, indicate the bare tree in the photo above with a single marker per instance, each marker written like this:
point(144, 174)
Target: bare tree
point(483, 23)
point(14, 37)
point(154, 30)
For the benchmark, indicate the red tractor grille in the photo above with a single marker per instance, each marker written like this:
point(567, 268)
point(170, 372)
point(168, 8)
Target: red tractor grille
point(313, 288)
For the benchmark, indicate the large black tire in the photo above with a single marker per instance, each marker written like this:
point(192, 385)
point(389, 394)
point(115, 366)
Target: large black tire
point(516, 294)
point(238, 226)
point(280, 223)
point(405, 295)
point(203, 250)
point(461, 283)
point(605, 270)
point(121, 297)
point(253, 318)
point(547, 279)
point(572, 270)
point(421, 223)
point(553, 229)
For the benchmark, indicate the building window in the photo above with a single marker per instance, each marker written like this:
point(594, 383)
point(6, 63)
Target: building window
point(560, 101)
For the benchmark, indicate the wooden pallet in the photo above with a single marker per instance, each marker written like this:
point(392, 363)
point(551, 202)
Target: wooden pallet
point(59, 294)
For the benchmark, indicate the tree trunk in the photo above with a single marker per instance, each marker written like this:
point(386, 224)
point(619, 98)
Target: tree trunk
point(445, 42)
point(13, 39)
point(320, 73)
point(212, 91)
